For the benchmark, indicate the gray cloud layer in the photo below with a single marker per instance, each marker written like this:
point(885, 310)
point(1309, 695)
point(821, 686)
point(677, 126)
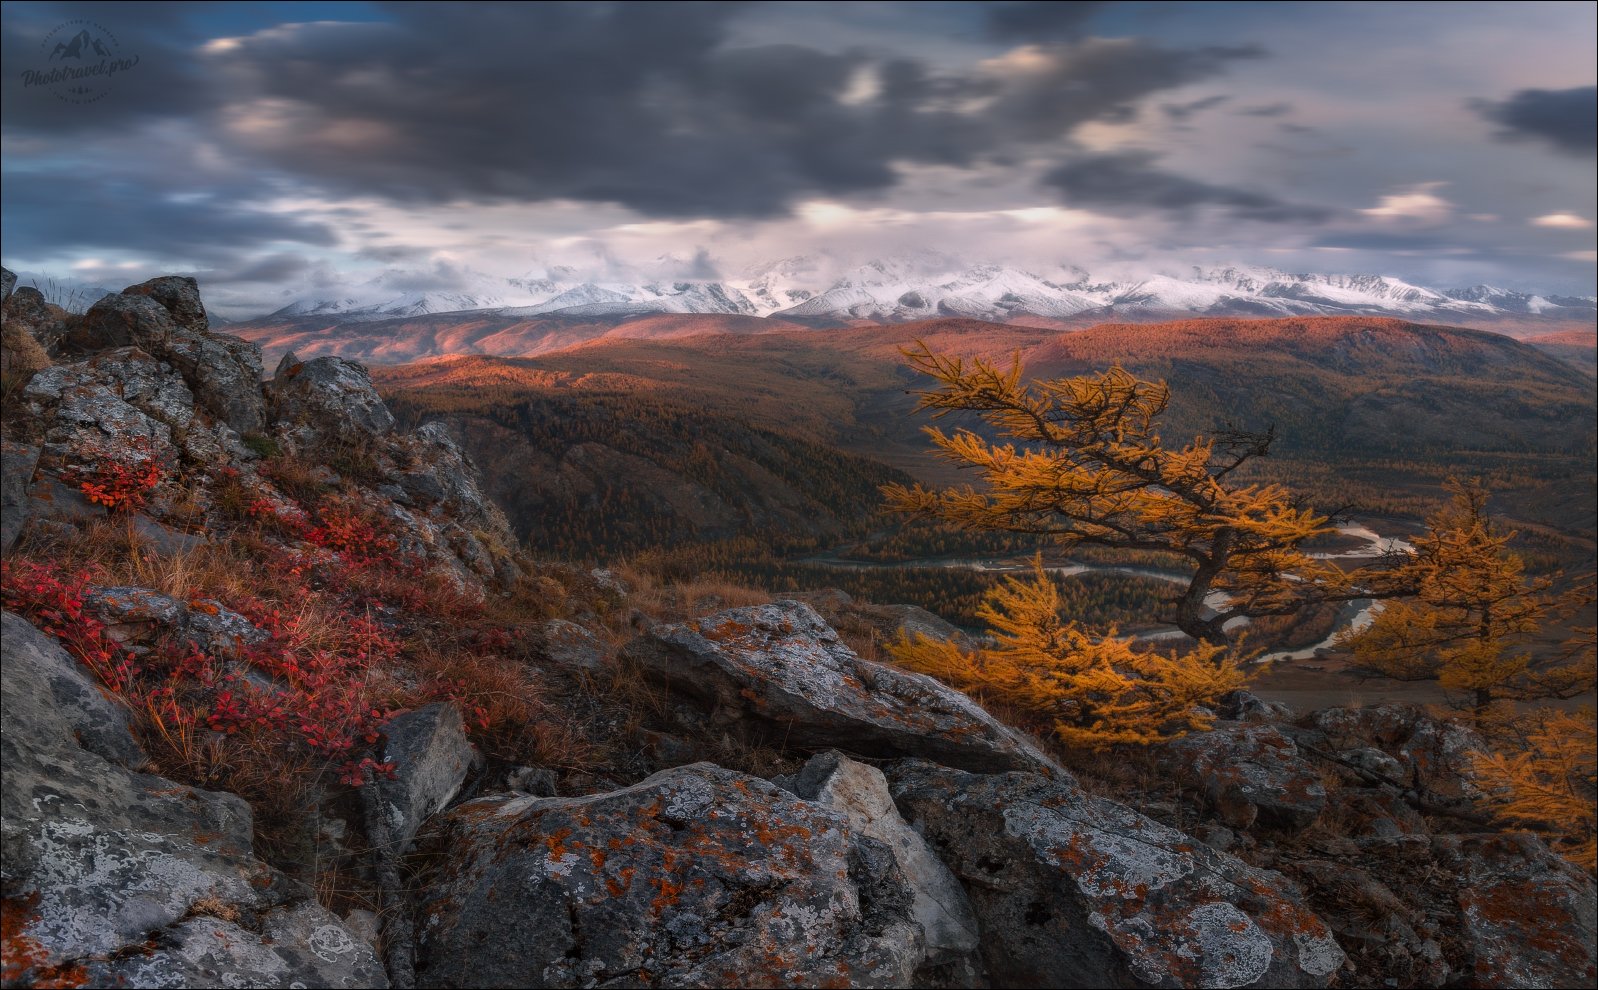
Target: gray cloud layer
point(1565, 118)
point(1131, 182)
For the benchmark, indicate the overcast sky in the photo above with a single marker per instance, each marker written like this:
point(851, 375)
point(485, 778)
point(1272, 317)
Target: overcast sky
point(273, 148)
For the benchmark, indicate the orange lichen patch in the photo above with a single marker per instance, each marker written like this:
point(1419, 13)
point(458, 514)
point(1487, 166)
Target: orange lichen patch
point(555, 842)
point(23, 960)
point(668, 893)
point(621, 882)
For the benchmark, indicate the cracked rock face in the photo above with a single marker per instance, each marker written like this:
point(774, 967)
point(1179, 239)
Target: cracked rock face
point(861, 793)
point(782, 670)
point(1074, 890)
point(698, 876)
point(1526, 915)
point(119, 878)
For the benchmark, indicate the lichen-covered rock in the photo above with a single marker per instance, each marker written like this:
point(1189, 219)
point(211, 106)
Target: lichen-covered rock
point(783, 671)
point(1249, 773)
point(1075, 890)
point(1526, 916)
point(17, 462)
point(861, 793)
point(87, 412)
point(334, 398)
point(431, 756)
point(165, 318)
point(697, 876)
point(122, 404)
point(8, 281)
point(120, 878)
point(137, 616)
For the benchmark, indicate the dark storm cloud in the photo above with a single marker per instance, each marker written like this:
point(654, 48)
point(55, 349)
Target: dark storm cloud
point(1023, 21)
point(1564, 118)
point(1131, 182)
point(50, 212)
point(1266, 110)
point(641, 105)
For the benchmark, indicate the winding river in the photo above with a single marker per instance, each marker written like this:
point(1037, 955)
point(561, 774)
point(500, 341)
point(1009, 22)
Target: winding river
point(1355, 615)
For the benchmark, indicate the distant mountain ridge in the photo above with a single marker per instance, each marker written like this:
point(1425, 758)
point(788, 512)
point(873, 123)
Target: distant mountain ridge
point(894, 291)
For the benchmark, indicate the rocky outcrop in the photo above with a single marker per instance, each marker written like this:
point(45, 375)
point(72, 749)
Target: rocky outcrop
point(1075, 890)
point(782, 672)
point(1249, 774)
point(165, 318)
point(861, 794)
point(119, 878)
point(120, 403)
point(333, 399)
point(697, 876)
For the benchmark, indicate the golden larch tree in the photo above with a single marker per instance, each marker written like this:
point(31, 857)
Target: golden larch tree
point(1473, 616)
point(1090, 691)
point(1551, 785)
point(1082, 462)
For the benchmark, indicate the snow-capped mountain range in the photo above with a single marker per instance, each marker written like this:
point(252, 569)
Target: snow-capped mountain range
point(803, 289)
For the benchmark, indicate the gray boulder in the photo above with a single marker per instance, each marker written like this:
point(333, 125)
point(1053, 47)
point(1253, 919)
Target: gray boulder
point(783, 672)
point(431, 756)
point(8, 281)
point(32, 329)
point(96, 723)
point(1249, 773)
point(697, 876)
point(1075, 890)
point(334, 398)
point(121, 878)
point(861, 794)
